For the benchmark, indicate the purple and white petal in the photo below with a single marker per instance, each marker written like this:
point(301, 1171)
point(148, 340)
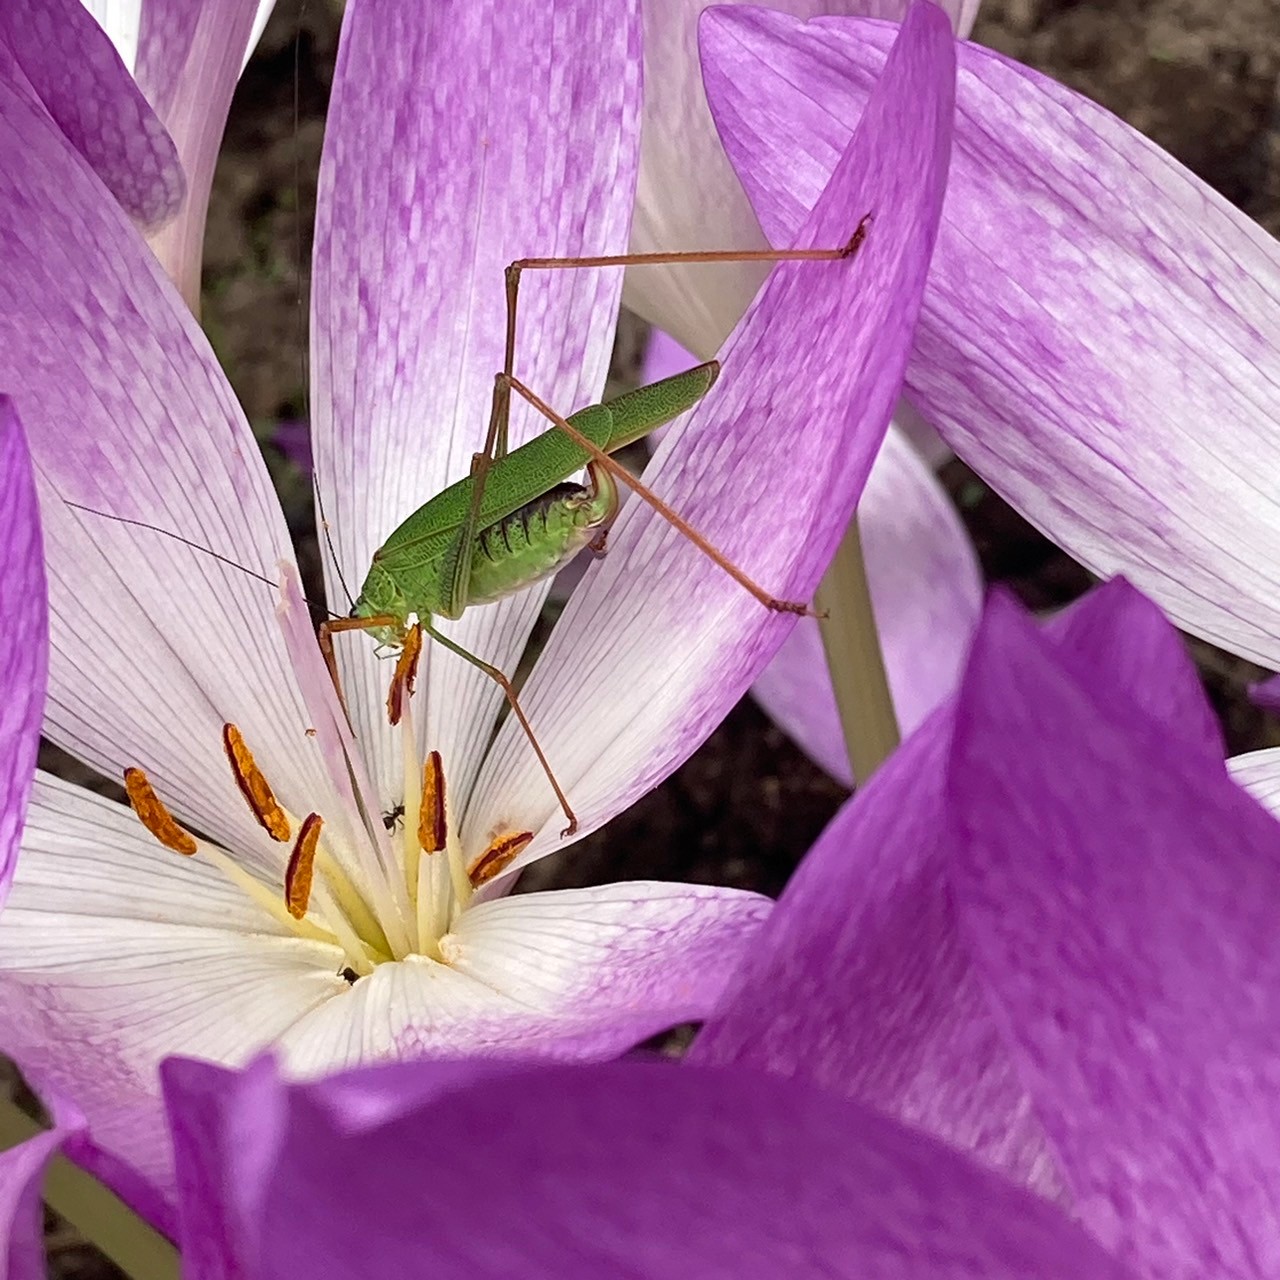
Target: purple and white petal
point(85, 86)
point(459, 138)
point(658, 642)
point(190, 55)
point(860, 981)
point(639, 1169)
point(575, 973)
point(926, 589)
point(115, 952)
point(24, 636)
point(153, 644)
point(688, 196)
point(1115, 890)
point(1125, 388)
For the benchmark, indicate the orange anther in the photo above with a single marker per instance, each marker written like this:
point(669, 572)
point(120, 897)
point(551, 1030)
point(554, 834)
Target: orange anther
point(500, 854)
point(155, 817)
point(253, 786)
point(432, 831)
point(405, 674)
point(302, 861)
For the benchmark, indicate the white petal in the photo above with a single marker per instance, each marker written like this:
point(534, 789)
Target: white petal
point(570, 974)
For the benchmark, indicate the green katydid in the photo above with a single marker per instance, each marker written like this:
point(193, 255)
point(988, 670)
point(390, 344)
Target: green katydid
point(513, 521)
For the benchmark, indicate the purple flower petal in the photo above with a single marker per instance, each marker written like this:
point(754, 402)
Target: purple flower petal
point(1125, 389)
point(22, 1170)
point(524, 145)
point(87, 89)
point(637, 1169)
point(190, 54)
point(227, 1128)
point(1117, 896)
point(578, 973)
point(859, 980)
point(24, 636)
point(153, 645)
point(687, 196)
point(658, 642)
point(927, 592)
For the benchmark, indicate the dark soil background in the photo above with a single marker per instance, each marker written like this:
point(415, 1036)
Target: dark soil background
point(1201, 77)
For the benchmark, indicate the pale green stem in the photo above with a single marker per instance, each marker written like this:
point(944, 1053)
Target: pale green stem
point(852, 644)
point(96, 1212)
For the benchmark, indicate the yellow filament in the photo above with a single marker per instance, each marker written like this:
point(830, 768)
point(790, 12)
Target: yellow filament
point(412, 810)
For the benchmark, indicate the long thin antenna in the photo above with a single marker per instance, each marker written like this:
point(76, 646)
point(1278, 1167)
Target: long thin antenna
point(195, 546)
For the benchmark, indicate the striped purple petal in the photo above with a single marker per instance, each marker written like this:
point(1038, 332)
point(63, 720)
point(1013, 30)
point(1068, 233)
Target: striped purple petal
point(1115, 891)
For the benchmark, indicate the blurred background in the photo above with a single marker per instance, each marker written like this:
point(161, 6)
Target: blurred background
point(1200, 77)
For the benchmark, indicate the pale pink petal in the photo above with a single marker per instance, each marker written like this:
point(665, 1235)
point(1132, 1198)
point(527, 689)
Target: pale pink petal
point(1258, 772)
point(658, 642)
point(459, 138)
point(926, 589)
point(190, 54)
point(688, 196)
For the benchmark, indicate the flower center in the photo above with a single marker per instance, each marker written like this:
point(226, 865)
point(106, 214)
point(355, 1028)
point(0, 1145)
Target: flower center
point(379, 895)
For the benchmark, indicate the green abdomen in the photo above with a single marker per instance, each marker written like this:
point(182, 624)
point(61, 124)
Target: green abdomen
point(532, 542)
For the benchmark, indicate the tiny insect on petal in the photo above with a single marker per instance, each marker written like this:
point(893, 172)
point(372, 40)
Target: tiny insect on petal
point(500, 854)
point(298, 874)
point(432, 832)
point(155, 817)
point(253, 785)
point(405, 674)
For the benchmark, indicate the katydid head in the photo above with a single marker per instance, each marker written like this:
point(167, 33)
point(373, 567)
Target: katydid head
point(382, 597)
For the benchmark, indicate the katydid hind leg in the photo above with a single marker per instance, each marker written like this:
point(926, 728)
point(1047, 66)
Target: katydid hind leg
point(602, 460)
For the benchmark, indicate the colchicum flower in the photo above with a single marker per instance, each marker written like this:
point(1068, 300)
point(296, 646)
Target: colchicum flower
point(450, 151)
point(1042, 934)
